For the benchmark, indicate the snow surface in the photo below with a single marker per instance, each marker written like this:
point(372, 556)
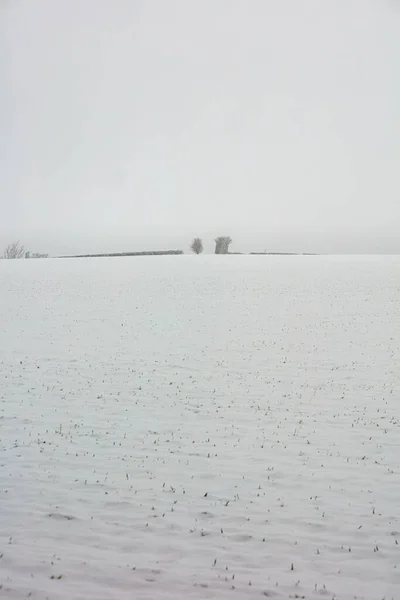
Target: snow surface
point(200, 427)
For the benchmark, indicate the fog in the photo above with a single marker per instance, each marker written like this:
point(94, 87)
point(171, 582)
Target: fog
point(134, 125)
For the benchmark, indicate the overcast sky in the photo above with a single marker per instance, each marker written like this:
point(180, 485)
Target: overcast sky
point(129, 124)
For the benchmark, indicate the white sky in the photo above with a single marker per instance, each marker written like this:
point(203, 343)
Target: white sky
point(129, 124)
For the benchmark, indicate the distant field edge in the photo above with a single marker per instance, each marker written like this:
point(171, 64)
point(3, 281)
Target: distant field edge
point(284, 254)
point(116, 254)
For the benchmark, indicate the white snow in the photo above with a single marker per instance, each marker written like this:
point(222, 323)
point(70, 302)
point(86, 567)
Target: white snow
point(200, 427)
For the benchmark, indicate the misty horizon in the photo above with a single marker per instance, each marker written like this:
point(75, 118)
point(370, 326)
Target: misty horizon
point(324, 242)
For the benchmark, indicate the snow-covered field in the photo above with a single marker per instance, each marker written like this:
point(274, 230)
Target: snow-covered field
point(200, 427)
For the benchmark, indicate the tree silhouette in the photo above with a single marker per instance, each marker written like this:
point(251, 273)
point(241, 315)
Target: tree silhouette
point(14, 250)
point(222, 244)
point(197, 246)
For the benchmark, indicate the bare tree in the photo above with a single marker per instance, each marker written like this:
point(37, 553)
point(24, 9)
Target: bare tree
point(197, 246)
point(222, 244)
point(14, 250)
